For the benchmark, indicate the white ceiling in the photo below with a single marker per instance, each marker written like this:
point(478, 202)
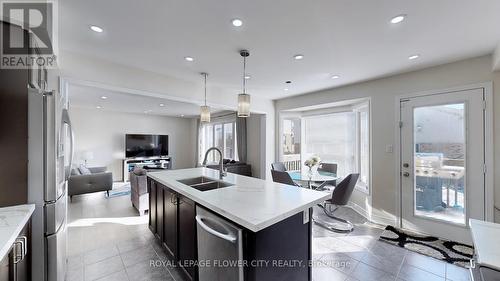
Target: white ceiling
point(91, 97)
point(352, 39)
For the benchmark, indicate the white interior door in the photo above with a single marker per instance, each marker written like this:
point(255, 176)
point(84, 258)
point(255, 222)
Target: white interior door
point(442, 163)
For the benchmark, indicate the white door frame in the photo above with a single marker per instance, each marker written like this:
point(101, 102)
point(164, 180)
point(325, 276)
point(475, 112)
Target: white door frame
point(488, 145)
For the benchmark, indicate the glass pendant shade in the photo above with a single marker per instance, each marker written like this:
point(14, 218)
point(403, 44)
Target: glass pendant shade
point(243, 105)
point(205, 113)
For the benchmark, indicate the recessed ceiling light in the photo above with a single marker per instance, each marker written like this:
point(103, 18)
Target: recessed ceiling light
point(247, 77)
point(182, 115)
point(298, 57)
point(104, 97)
point(335, 77)
point(237, 22)
point(162, 105)
point(285, 89)
point(189, 58)
point(398, 19)
point(413, 57)
point(96, 28)
point(98, 107)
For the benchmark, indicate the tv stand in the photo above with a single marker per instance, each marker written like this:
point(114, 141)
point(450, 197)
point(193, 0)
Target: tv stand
point(148, 163)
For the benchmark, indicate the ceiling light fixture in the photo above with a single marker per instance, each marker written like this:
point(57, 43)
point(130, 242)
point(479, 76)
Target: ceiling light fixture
point(162, 105)
point(244, 98)
point(189, 59)
point(285, 89)
point(98, 107)
point(298, 57)
point(248, 77)
point(413, 57)
point(104, 97)
point(205, 109)
point(237, 22)
point(96, 28)
point(182, 115)
point(398, 19)
point(335, 77)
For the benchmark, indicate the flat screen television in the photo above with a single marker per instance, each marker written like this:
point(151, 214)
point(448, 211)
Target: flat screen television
point(146, 145)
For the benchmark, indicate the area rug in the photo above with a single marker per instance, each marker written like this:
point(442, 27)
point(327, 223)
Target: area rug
point(119, 191)
point(448, 251)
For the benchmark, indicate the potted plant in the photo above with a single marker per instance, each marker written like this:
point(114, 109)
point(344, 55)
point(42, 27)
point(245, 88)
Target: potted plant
point(311, 162)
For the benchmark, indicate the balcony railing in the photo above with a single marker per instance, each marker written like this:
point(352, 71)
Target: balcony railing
point(292, 162)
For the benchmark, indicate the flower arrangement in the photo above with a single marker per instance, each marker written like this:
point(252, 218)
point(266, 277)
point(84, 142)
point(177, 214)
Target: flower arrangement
point(313, 161)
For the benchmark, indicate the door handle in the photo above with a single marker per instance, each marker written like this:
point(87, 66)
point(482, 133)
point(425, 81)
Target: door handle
point(226, 237)
point(67, 120)
point(20, 242)
point(406, 174)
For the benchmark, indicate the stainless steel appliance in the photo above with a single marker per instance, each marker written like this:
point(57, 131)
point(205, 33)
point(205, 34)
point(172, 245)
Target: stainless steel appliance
point(220, 244)
point(50, 150)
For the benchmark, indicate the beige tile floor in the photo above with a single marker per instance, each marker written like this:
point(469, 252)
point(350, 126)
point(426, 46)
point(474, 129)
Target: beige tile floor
point(107, 240)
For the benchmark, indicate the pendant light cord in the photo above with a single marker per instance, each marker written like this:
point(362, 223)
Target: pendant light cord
point(205, 75)
point(244, 74)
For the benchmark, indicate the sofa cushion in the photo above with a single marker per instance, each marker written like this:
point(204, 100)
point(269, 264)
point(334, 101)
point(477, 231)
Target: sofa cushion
point(84, 170)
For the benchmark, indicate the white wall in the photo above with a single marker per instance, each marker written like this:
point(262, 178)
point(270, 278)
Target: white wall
point(256, 142)
point(382, 201)
point(103, 133)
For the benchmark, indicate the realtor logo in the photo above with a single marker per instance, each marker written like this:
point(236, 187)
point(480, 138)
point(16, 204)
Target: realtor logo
point(32, 49)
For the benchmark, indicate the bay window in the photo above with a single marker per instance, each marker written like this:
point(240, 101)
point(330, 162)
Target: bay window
point(339, 135)
point(221, 134)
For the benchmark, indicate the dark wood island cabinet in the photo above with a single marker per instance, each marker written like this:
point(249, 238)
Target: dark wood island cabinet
point(172, 219)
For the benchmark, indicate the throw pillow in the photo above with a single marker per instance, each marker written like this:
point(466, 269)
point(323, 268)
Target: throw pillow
point(84, 170)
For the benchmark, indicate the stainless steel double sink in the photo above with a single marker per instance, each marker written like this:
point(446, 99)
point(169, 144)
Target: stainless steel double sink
point(204, 183)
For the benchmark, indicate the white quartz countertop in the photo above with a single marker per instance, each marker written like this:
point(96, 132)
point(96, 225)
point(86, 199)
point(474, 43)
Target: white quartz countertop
point(252, 203)
point(485, 237)
point(12, 221)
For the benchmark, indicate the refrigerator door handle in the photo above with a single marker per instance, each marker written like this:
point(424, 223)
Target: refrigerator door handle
point(66, 120)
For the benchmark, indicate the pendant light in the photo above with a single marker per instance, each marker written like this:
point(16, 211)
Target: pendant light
point(244, 98)
point(205, 109)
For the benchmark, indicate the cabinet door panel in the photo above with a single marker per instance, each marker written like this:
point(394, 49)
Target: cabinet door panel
point(187, 235)
point(5, 268)
point(152, 206)
point(23, 268)
point(159, 211)
point(170, 222)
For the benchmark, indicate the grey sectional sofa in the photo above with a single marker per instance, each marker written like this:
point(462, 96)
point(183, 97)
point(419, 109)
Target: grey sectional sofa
point(99, 180)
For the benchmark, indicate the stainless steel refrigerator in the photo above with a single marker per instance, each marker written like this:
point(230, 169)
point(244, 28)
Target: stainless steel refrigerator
point(50, 155)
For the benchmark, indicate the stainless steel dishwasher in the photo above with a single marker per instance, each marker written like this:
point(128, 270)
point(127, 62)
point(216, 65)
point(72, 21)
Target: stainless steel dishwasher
point(220, 248)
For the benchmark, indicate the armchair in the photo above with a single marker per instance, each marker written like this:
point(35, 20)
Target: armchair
point(139, 190)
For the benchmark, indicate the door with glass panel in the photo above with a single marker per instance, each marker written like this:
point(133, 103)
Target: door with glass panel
point(442, 163)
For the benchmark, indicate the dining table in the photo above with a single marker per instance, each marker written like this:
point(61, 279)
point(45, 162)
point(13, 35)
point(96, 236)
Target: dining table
point(310, 177)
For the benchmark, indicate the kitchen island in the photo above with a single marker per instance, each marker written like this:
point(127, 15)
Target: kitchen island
point(275, 222)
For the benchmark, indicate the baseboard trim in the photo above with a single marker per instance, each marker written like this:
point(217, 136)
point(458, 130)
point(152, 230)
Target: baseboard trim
point(382, 220)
